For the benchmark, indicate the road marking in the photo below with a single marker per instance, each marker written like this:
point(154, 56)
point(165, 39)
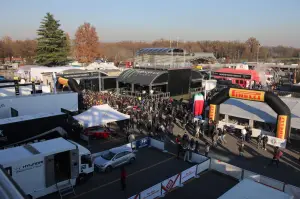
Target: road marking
point(109, 183)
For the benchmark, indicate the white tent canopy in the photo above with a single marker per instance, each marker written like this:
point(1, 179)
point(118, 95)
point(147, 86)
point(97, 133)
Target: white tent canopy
point(253, 190)
point(100, 115)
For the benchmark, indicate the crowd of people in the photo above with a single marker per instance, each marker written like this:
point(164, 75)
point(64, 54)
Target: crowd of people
point(158, 116)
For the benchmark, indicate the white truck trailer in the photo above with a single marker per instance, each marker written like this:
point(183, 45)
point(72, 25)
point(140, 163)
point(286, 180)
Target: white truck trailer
point(45, 167)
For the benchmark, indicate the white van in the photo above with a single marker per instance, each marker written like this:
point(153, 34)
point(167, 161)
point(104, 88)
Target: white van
point(45, 167)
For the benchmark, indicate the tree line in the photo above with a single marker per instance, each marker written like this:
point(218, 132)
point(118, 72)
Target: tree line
point(54, 47)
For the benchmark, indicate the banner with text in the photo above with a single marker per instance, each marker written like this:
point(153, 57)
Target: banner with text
point(188, 174)
point(274, 141)
point(152, 192)
point(171, 183)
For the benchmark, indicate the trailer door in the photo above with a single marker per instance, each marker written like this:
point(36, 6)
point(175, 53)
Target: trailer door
point(74, 164)
point(49, 171)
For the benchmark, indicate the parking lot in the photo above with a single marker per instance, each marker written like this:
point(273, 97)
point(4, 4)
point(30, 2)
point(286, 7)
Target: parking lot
point(210, 185)
point(151, 167)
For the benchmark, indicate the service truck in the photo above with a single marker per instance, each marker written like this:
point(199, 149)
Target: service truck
point(45, 167)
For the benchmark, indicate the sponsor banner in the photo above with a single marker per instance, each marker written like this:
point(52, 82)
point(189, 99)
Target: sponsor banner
point(152, 192)
point(281, 126)
point(274, 141)
point(142, 142)
point(137, 196)
point(171, 183)
point(203, 166)
point(272, 183)
point(247, 94)
point(212, 111)
point(188, 174)
point(233, 75)
point(157, 144)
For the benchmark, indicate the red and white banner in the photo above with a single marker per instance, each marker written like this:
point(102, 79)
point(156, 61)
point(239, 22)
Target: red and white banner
point(171, 183)
point(152, 192)
point(137, 196)
point(188, 174)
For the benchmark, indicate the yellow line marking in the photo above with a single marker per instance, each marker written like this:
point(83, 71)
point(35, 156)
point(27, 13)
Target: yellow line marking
point(109, 183)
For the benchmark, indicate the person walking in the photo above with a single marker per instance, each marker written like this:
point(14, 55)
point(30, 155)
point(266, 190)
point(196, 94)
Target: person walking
point(207, 148)
point(241, 150)
point(265, 141)
point(276, 156)
point(259, 141)
point(244, 132)
point(123, 178)
point(179, 147)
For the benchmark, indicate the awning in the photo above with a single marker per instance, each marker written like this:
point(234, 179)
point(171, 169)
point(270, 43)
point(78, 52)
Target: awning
point(100, 115)
point(143, 77)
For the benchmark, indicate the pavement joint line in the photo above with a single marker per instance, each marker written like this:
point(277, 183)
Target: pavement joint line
point(114, 181)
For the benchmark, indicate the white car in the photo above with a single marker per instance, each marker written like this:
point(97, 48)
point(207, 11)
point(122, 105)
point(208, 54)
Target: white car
point(113, 158)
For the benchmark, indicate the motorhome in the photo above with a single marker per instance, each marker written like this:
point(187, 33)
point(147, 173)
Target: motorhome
point(45, 167)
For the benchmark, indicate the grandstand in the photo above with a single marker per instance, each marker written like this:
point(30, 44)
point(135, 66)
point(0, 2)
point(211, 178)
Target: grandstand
point(170, 57)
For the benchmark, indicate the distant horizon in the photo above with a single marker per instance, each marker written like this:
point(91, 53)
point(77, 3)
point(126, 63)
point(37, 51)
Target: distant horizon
point(272, 22)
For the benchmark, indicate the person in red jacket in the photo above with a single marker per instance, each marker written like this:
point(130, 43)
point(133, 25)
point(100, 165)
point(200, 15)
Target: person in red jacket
point(123, 178)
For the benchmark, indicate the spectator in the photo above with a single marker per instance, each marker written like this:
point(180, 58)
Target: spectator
point(241, 149)
point(244, 132)
point(265, 141)
point(123, 178)
point(259, 141)
point(276, 157)
point(207, 148)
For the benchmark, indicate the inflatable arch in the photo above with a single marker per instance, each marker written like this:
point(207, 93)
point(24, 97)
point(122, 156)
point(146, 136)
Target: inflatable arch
point(283, 125)
point(71, 83)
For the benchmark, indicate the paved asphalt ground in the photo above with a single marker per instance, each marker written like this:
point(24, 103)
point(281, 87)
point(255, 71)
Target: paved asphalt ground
point(154, 166)
point(210, 185)
point(151, 167)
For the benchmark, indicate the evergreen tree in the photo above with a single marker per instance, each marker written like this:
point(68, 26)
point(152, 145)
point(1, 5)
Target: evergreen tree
point(52, 43)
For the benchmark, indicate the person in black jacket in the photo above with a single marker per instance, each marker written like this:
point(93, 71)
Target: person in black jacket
point(265, 141)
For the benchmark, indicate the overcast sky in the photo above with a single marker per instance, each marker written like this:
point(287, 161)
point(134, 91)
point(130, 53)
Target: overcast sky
point(272, 22)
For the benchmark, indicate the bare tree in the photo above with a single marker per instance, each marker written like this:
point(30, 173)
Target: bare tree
point(86, 43)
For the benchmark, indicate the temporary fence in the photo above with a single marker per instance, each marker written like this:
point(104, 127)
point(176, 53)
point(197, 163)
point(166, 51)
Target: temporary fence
point(167, 185)
point(292, 190)
point(226, 168)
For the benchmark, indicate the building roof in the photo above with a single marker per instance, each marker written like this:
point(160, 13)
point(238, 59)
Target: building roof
point(260, 111)
point(142, 77)
point(46, 147)
point(158, 50)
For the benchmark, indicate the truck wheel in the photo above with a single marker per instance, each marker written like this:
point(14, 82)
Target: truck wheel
point(108, 169)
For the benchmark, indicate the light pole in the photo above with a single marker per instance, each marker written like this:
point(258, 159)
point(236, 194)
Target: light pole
point(257, 54)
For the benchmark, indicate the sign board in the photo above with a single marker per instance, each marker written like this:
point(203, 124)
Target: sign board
point(274, 141)
point(232, 75)
point(171, 183)
point(188, 174)
point(212, 111)
point(281, 126)
point(78, 75)
point(152, 192)
point(251, 95)
point(144, 142)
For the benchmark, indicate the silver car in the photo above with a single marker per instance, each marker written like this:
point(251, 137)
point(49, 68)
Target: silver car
point(113, 158)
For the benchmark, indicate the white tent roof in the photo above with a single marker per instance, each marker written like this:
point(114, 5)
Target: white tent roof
point(260, 111)
point(100, 115)
point(253, 190)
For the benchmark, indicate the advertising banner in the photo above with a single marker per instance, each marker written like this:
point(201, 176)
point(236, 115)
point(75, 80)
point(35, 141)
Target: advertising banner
point(247, 94)
point(144, 142)
point(171, 183)
point(212, 111)
point(274, 141)
point(233, 75)
point(188, 174)
point(152, 192)
point(281, 126)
